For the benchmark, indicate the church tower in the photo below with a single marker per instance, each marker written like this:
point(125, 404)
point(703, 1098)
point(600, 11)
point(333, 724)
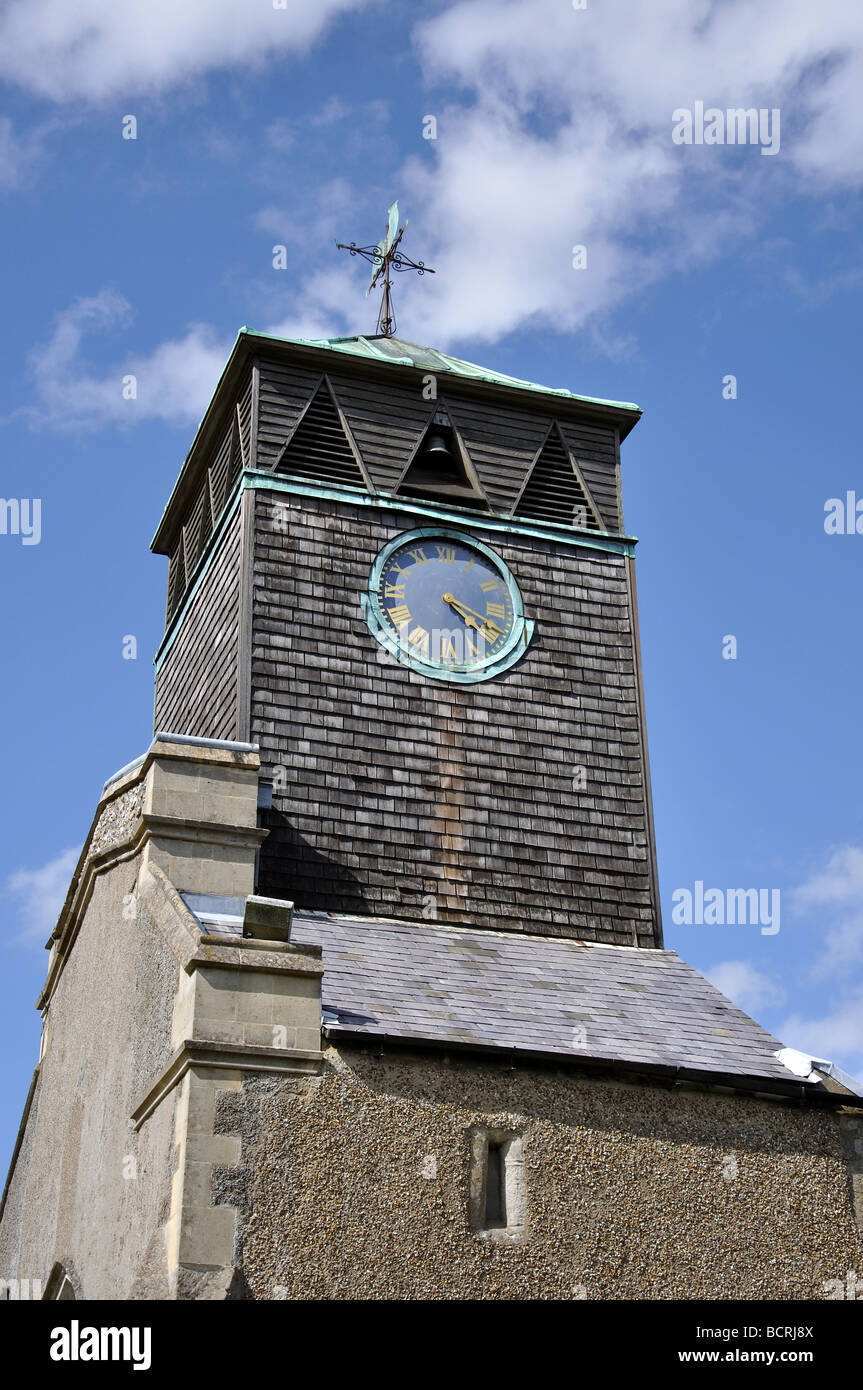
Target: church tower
point(478, 758)
point(359, 988)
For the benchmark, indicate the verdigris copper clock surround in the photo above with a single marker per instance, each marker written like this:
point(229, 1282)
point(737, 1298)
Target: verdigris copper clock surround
point(446, 605)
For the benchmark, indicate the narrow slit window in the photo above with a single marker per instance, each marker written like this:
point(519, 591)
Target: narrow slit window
point(495, 1186)
point(497, 1190)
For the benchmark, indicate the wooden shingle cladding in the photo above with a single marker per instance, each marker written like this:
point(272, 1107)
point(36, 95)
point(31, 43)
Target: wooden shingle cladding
point(206, 487)
point(197, 680)
point(519, 803)
point(385, 410)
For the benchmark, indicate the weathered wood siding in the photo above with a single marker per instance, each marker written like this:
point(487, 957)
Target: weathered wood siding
point(402, 796)
point(196, 683)
point(387, 419)
point(215, 477)
point(283, 393)
point(394, 794)
point(595, 452)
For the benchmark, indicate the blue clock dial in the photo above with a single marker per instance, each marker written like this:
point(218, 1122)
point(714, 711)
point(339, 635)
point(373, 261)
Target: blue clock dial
point(446, 605)
point(446, 602)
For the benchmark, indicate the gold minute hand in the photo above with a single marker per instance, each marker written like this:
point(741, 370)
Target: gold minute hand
point(471, 617)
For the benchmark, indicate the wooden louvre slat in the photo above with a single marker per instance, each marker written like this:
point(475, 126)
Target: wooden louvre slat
point(176, 578)
point(235, 466)
point(192, 533)
point(553, 490)
point(219, 475)
point(319, 448)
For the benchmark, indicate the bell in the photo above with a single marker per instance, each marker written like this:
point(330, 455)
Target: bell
point(437, 448)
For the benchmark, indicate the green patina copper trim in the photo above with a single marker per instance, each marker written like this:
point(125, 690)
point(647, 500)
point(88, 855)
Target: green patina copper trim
point(465, 516)
point(513, 649)
point(400, 353)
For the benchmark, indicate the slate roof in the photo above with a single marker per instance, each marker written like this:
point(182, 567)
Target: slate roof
point(454, 986)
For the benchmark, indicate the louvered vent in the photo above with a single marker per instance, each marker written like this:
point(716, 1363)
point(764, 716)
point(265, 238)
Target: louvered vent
point(192, 535)
point(176, 577)
point(553, 491)
point(219, 475)
point(235, 466)
point(319, 448)
point(217, 485)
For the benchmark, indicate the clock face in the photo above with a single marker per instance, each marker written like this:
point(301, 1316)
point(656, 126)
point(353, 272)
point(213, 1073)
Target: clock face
point(446, 605)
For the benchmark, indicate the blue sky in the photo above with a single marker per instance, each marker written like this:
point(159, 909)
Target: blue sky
point(259, 127)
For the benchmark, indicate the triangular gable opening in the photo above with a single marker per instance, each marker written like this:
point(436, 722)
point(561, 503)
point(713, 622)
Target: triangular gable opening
point(554, 490)
point(319, 448)
point(439, 470)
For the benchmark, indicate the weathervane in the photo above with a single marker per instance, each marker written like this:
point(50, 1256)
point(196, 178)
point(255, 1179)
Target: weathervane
point(386, 257)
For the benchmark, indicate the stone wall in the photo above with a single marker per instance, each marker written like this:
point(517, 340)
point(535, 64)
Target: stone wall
point(357, 1186)
point(146, 1022)
point(88, 1191)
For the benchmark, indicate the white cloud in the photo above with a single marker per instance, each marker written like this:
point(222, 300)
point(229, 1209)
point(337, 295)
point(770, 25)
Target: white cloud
point(832, 899)
point(839, 883)
point(40, 893)
point(320, 220)
point(20, 155)
point(837, 1036)
point(174, 382)
point(96, 49)
point(555, 132)
point(333, 110)
point(564, 137)
point(748, 988)
point(279, 135)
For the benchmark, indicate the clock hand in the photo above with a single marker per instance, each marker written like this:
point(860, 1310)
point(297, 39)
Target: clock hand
point(460, 608)
point(471, 617)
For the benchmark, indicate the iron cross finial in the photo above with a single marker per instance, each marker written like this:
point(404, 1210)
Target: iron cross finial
point(386, 257)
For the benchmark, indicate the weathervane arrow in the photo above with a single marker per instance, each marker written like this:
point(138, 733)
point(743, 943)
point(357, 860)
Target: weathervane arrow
point(386, 257)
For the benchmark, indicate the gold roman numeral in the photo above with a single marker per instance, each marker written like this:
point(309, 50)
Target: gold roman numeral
point(495, 610)
point(489, 584)
point(446, 553)
point(419, 638)
point(447, 649)
point(420, 557)
point(394, 590)
point(399, 614)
